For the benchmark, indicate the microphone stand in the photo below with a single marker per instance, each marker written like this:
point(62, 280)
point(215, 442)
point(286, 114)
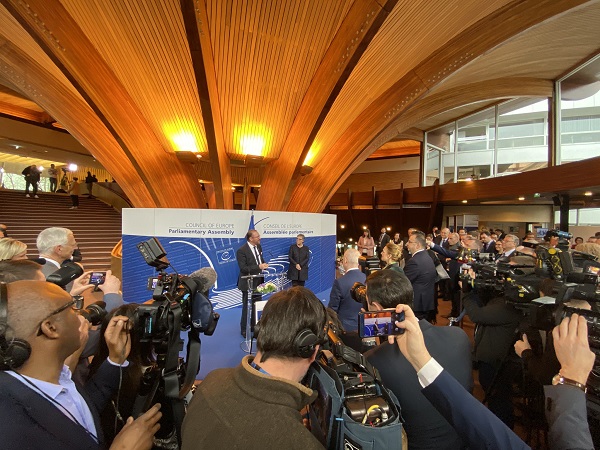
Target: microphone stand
point(246, 344)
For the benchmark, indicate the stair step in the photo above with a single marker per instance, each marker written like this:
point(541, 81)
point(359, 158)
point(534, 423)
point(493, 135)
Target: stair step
point(97, 226)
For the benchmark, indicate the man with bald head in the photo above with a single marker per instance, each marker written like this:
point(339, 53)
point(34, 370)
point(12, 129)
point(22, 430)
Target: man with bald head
point(40, 406)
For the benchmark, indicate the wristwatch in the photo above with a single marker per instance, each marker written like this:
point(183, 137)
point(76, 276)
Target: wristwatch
point(559, 379)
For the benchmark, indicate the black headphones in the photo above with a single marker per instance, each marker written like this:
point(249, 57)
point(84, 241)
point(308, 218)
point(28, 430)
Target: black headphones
point(306, 340)
point(13, 354)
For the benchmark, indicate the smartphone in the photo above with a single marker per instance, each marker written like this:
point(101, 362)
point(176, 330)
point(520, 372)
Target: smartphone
point(97, 278)
point(379, 323)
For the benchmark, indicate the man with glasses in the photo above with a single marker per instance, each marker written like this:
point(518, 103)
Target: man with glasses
point(40, 405)
point(509, 245)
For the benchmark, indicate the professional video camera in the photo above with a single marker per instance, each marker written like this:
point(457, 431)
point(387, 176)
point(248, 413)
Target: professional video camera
point(353, 406)
point(180, 303)
point(513, 281)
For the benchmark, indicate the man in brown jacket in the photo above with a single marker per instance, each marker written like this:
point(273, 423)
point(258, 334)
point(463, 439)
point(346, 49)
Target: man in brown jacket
point(257, 404)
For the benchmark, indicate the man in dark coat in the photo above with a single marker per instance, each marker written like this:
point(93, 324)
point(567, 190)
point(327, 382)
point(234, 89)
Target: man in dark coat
point(384, 238)
point(299, 256)
point(40, 406)
point(250, 261)
point(421, 272)
point(424, 426)
point(340, 299)
point(32, 178)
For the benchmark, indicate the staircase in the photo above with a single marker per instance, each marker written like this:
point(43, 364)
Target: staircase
point(96, 226)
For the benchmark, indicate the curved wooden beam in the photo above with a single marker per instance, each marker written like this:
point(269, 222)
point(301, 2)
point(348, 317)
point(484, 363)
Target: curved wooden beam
point(169, 181)
point(59, 100)
point(443, 101)
point(312, 192)
point(194, 13)
point(360, 25)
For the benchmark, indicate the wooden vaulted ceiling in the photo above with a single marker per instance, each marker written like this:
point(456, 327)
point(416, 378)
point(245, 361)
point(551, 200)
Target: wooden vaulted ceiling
point(318, 82)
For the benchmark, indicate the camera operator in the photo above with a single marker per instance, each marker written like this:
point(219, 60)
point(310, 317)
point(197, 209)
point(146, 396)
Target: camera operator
point(40, 406)
point(496, 327)
point(425, 427)
point(539, 357)
point(479, 428)
point(257, 404)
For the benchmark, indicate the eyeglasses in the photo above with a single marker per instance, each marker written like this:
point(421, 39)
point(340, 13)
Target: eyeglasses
point(76, 303)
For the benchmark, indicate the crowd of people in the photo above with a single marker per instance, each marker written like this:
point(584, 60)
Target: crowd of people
point(53, 398)
point(32, 175)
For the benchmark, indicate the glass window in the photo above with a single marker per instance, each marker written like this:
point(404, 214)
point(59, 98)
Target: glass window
point(580, 114)
point(588, 216)
point(522, 136)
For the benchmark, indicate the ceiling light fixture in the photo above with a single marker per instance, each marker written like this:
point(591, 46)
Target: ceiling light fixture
point(464, 201)
point(588, 194)
point(521, 198)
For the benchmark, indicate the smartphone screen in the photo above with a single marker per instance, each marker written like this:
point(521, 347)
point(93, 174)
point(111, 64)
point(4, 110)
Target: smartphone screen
point(152, 282)
point(97, 278)
point(379, 323)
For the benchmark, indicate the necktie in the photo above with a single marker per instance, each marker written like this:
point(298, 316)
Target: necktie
point(257, 255)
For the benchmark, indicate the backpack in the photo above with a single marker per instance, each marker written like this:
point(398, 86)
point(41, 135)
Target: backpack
point(353, 410)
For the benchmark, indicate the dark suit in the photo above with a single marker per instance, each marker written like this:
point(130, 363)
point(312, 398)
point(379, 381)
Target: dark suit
point(341, 301)
point(425, 427)
point(382, 242)
point(478, 427)
point(29, 421)
point(567, 415)
point(248, 266)
point(489, 248)
point(421, 272)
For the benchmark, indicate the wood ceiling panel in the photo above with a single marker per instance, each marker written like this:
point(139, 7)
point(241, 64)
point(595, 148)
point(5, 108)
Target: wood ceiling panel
point(266, 54)
point(145, 44)
point(541, 52)
point(12, 31)
point(413, 31)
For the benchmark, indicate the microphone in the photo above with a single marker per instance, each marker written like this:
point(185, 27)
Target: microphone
point(41, 261)
point(205, 278)
point(67, 273)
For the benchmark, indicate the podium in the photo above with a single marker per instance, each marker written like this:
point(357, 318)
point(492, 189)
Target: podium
point(246, 344)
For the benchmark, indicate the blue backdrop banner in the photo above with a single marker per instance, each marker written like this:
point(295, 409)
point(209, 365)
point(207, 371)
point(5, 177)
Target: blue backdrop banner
point(210, 238)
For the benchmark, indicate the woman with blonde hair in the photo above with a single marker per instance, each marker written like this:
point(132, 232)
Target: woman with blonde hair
point(391, 255)
point(11, 249)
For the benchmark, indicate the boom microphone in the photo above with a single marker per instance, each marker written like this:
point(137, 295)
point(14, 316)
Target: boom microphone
point(205, 278)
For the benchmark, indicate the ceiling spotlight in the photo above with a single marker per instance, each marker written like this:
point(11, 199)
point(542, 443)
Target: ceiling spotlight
point(464, 201)
point(73, 167)
point(349, 239)
point(364, 227)
point(521, 198)
point(388, 228)
point(342, 226)
point(588, 193)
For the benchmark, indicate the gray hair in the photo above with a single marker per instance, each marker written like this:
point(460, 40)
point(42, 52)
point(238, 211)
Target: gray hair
point(514, 238)
point(352, 256)
point(50, 238)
